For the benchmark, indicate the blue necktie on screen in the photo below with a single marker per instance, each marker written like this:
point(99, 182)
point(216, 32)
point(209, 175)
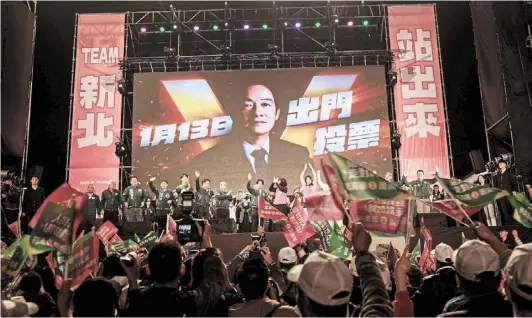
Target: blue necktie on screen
point(261, 167)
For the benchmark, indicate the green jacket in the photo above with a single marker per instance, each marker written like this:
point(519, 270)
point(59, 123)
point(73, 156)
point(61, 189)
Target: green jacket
point(111, 200)
point(134, 197)
point(93, 205)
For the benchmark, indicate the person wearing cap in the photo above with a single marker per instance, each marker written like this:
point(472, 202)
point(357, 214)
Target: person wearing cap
point(478, 271)
point(286, 259)
point(325, 282)
point(436, 289)
point(253, 280)
point(31, 289)
point(18, 307)
point(505, 180)
point(518, 280)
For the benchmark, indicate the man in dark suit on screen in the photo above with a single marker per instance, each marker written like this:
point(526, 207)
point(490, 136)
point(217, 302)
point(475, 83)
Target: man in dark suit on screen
point(251, 148)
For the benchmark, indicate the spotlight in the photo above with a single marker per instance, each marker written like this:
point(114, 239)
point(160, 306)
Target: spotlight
point(196, 28)
point(396, 141)
point(226, 23)
point(265, 26)
point(162, 29)
point(175, 27)
point(392, 78)
point(274, 51)
point(121, 86)
point(215, 27)
point(335, 18)
point(226, 52)
point(330, 47)
point(120, 149)
point(285, 23)
point(170, 52)
point(298, 24)
point(350, 23)
point(143, 29)
point(318, 24)
point(365, 23)
point(246, 26)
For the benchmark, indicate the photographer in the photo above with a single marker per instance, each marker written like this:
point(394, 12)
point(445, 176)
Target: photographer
point(244, 215)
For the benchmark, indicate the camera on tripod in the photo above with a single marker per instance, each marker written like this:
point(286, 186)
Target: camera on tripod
point(186, 227)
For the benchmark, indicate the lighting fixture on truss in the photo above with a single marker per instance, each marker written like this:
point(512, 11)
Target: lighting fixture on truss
point(392, 78)
point(226, 52)
point(121, 86)
point(170, 53)
point(331, 48)
point(396, 141)
point(274, 51)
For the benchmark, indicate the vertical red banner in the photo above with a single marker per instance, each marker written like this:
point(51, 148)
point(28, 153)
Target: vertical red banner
point(97, 104)
point(418, 93)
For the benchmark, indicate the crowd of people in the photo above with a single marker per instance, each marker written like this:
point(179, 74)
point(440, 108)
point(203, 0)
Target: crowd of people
point(482, 278)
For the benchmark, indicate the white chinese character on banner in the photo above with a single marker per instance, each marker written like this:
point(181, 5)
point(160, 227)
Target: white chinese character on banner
point(423, 46)
point(107, 89)
point(406, 45)
point(412, 83)
point(88, 91)
point(303, 111)
point(330, 139)
point(421, 120)
point(364, 134)
point(100, 136)
point(341, 101)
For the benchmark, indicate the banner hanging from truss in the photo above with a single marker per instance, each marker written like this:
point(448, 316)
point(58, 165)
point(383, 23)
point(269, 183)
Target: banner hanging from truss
point(419, 100)
point(97, 104)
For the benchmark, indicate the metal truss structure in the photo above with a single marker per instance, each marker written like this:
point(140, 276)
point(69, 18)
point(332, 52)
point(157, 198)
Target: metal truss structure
point(32, 6)
point(253, 38)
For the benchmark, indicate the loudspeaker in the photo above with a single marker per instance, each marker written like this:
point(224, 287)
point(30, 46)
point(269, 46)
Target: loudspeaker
point(139, 228)
point(477, 161)
point(34, 171)
point(433, 219)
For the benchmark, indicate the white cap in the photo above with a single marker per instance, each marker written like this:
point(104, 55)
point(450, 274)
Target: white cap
point(18, 307)
point(287, 255)
point(475, 257)
point(518, 270)
point(324, 278)
point(443, 253)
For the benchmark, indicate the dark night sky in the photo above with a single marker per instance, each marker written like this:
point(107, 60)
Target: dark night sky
point(53, 62)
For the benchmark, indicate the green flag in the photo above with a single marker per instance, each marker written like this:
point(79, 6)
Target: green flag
point(324, 231)
point(19, 256)
point(131, 246)
point(471, 195)
point(523, 211)
point(149, 240)
point(136, 238)
point(338, 244)
point(416, 252)
point(55, 226)
point(360, 183)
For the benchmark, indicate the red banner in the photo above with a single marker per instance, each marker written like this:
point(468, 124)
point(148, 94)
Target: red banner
point(297, 227)
point(419, 108)
point(385, 216)
point(451, 208)
point(268, 211)
point(425, 261)
point(106, 232)
point(97, 104)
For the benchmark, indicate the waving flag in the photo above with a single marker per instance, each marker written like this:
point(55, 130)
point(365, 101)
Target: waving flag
point(523, 211)
point(171, 226)
point(450, 208)
point(339, 246)
point(268, 211)
point(471, 195)
point(297, 227)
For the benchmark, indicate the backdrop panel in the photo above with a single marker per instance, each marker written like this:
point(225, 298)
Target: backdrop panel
point(214, 121)
point(97, 105)
point(419, 107)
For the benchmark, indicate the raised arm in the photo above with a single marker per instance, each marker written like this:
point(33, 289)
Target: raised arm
point(314, 174)
point(302, 175)
point(321, 184)
point(152, 187)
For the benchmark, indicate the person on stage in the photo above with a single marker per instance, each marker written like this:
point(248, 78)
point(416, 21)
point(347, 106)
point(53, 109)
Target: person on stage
point(251, 146)
point(307, 182)
point(92, 208)
point(163, 201)
point(244, 215)
point(505, 180)
point(205, 195)
point(112, 203)
point(256, 192)
point(223, 198)
point(421, 188)
point(134, 200)
point(183, 187)
point(34, 196)
point(280, 199)
point(488, 214)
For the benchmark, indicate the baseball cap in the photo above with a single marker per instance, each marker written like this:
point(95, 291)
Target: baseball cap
point(475, 257)
point(443, 253)
point(18, 307)
point(287, 255)
point(518, 271)
point(324, 278)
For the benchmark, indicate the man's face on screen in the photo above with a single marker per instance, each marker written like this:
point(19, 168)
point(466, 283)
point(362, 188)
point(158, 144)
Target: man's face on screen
point(260, 111)
point(223, 186)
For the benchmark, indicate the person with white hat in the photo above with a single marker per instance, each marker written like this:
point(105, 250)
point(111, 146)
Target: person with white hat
point(18, 307)
point(478, 270)
point(518, 280)
point(285, 261)
point(325, 282)
point(436, 289)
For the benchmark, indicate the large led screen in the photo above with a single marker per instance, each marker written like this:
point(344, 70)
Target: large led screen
point(268, 123)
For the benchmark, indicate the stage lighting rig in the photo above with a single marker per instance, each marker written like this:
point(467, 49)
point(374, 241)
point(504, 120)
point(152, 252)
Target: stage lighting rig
point(396, 141)
point(120, 149)
point(274, 51)
point(331, 48)
point(170, 53)
point(121, 86)
point(226, 52)
point(392, 78)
